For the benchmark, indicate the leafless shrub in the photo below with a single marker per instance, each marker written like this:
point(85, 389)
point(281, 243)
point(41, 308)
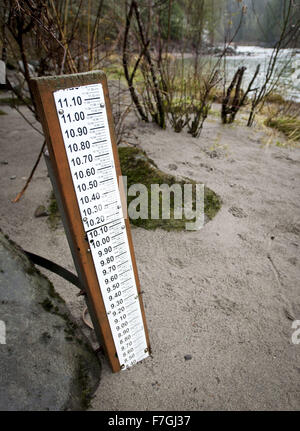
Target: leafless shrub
point(121, 107)
point(152, 100)
point(232, 104)
point(289, 36)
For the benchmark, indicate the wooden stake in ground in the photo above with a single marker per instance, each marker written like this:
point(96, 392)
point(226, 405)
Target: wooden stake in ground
point(77, 120)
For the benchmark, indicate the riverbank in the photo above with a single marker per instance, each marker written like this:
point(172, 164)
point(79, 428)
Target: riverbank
point(220, 301)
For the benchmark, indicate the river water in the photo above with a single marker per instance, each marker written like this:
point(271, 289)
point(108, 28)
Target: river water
point(251, 56)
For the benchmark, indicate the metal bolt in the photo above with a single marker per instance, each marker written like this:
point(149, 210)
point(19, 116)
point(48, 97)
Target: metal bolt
point(123, 227)
point(146, 350)
point(88, 250)
point(102, 105)
point(61, 111)
point(122, 367)
point(109, 312)
point(136, 297)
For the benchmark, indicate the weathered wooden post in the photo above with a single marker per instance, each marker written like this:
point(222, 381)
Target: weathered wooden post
point(85, 171)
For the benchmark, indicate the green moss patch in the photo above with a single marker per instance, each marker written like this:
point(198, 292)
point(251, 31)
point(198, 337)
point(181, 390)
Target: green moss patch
point(54, 216)
point(139, 169)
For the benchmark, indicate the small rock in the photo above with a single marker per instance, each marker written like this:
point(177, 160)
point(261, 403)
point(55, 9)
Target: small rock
point(40, 211)
point(173, 167)
point(13, 177)
point(4, 162)
point(289, 315)
point(188, 357)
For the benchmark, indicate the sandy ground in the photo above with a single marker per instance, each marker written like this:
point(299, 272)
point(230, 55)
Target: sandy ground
point(226, 295)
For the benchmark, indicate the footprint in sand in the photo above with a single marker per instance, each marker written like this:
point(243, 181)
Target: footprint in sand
point(237, 212)
point(176, 262)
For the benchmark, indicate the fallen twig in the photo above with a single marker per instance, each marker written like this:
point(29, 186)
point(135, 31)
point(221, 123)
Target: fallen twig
point(20, 194)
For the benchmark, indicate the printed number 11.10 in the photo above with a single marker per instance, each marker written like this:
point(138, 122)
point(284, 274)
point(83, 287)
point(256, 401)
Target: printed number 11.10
point(74, 102)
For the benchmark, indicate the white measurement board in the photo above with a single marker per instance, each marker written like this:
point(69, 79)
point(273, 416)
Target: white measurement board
point(85, 130)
